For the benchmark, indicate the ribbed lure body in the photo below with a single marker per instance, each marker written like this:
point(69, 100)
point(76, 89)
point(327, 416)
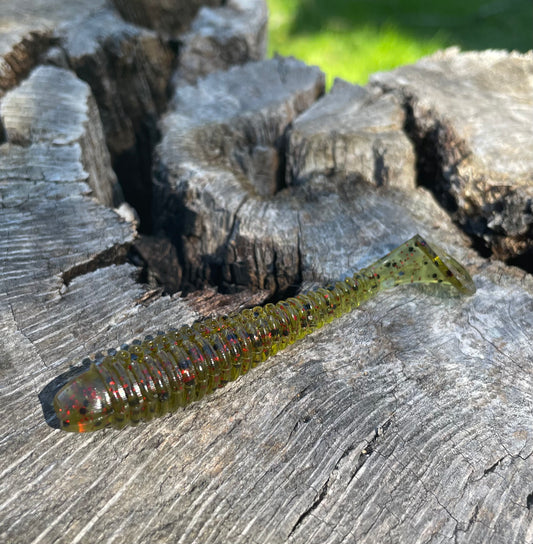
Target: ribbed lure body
point(150, 378)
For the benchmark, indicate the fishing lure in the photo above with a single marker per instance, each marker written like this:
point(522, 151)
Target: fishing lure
point(150, 378)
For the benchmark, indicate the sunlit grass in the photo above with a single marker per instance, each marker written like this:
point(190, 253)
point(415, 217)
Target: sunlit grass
point(352, 39)
point(355, 56)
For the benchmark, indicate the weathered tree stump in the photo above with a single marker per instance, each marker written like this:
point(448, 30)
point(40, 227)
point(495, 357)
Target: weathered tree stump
point(221, 37)
point(475, 151)
point(408, 420)
point(164, 15)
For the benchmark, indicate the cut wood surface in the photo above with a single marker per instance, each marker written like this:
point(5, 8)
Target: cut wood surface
point(408, 420)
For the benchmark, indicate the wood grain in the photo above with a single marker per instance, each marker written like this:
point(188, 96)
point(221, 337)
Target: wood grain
point(408, 420)
point(475, 149)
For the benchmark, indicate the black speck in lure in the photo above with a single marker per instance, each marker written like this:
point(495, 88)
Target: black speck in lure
point(147, 379)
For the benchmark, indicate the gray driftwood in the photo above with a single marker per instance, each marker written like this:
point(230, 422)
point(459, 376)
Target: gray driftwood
point(408, 420)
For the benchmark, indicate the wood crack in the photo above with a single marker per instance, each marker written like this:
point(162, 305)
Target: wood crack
point(115, 255)
point(363, 457)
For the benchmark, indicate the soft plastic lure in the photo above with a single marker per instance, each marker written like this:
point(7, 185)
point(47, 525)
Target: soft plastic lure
point(160, 374)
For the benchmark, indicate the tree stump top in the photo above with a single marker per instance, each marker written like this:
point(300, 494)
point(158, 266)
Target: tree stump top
point(408, 420)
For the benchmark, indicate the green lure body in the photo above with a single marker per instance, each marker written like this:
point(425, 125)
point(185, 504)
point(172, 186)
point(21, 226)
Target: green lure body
point(160, 374)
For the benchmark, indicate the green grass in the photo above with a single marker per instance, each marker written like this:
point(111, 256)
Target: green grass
point(352, 39)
